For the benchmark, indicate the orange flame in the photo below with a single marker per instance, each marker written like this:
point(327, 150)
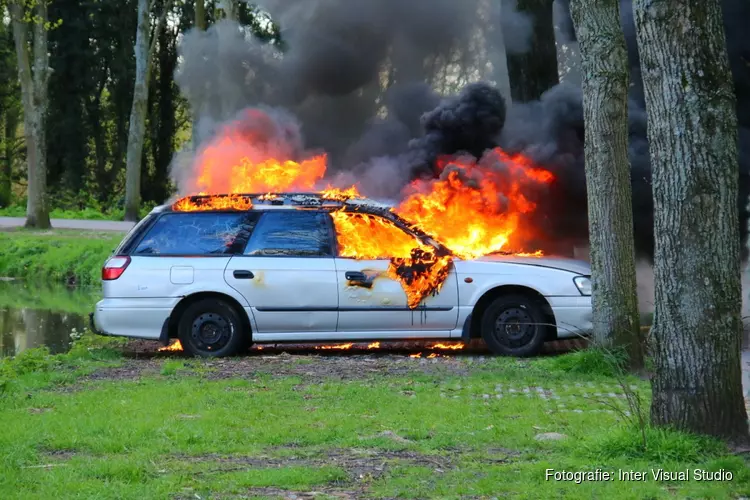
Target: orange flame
point(342, 347)
point(240, 160)
point(475, 209)
point(232, 202)
point(336, 194)
point(175, 346)
point(415, 265)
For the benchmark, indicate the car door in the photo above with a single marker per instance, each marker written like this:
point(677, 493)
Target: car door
point(370, 300)
point(287, 274)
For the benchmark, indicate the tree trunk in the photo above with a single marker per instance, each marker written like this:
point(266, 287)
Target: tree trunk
point(34, 97)
point(692, 132)
point(10, 125)
point(535, 71)
point(231, 9)
point(137, 132)
point(200, 15)
point(605, 107)
point(201, 24)
point(499, 55)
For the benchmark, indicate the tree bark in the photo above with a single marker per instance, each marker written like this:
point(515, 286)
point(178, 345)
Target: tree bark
point(610, 213)
point(692, 132)
point(200, 15)
point(535, 71)
point(144, 50)
point(10, 128)
point(137, 131)
point(34, 86)
point(201, 23)
point(231, 9)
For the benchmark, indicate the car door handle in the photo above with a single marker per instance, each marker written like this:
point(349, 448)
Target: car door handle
point(243, 275)
point(359, 278)
point(355, 276)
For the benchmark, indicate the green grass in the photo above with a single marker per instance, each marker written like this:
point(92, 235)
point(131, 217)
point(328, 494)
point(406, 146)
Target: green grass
point(68, 256)
point(177, 430)
point(84, 214)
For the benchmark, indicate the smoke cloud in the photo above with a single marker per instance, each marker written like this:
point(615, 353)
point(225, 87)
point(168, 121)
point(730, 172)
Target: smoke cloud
point(386, 87)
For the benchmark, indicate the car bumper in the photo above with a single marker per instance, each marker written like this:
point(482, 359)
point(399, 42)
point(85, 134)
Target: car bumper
point(573, 316)
point(135, 318)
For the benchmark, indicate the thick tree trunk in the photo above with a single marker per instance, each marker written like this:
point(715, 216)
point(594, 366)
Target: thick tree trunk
point(535, 71)
point(692, 131)
point(137, 131)
point(605, 107)
point(34, 97)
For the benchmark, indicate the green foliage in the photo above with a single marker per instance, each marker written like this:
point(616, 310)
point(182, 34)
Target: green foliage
point(32, 360)
point(70, 257)
point(664, 445)
point(592, 361)
point(172, 367)
point(36, 368)
point(17, 210)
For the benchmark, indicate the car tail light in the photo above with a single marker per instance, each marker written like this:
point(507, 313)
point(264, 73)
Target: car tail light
point(114, 268)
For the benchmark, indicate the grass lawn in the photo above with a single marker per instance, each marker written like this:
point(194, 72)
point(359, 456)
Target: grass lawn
point(58, 255)
point(84, 214)
point(91, 424)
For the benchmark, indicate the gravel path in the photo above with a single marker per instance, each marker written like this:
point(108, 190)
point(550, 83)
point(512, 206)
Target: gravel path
point(93, 225)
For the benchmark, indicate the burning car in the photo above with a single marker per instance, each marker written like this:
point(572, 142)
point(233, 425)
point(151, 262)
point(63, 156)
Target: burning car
point(220, 272)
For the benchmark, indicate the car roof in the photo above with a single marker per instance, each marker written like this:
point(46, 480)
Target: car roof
point(292, 201)
point(298, 201)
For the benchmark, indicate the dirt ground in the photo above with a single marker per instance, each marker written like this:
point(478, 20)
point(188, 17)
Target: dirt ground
point(318, 361)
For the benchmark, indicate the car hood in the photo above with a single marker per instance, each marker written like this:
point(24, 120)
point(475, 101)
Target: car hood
point(562, 263)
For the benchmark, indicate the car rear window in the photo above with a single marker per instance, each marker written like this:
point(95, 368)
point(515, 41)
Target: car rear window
point(197, 233)
point(291, 233)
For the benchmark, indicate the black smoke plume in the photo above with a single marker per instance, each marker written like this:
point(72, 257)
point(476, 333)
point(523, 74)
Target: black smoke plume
point(366, 82)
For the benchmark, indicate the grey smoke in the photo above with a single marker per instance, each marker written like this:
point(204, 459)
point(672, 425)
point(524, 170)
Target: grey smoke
point(340, 55)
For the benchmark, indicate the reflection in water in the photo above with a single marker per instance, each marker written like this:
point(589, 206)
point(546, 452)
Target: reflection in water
point(34, 316)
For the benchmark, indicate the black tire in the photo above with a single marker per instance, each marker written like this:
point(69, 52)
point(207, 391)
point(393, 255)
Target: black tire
point(514, 325)
point(211, 328)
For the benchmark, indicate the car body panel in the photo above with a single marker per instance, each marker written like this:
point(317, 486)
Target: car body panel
point(382, 305)
point(154, 276)
point(292, 298)
point(133, 317)
point(287, 294)
point(489, 274)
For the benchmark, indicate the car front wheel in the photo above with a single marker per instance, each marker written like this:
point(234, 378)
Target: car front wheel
point(211, 328)
point(514, 325)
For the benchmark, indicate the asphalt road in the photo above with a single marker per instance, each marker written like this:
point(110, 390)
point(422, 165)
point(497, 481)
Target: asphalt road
point(92, 225)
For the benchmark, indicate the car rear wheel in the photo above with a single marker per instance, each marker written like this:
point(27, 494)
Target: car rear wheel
point(211, 328)
point(514, 325)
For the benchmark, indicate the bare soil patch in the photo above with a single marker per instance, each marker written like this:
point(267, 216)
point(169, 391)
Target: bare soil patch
point(311, 362)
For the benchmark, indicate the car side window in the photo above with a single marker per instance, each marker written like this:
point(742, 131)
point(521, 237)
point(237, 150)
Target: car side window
point(291, 233)
point(368, 236)
point(197, 233)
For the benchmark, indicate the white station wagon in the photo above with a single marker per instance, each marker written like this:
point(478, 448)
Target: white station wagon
point(221, 279)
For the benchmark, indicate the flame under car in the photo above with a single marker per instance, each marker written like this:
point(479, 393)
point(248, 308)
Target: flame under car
point(222, 272)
